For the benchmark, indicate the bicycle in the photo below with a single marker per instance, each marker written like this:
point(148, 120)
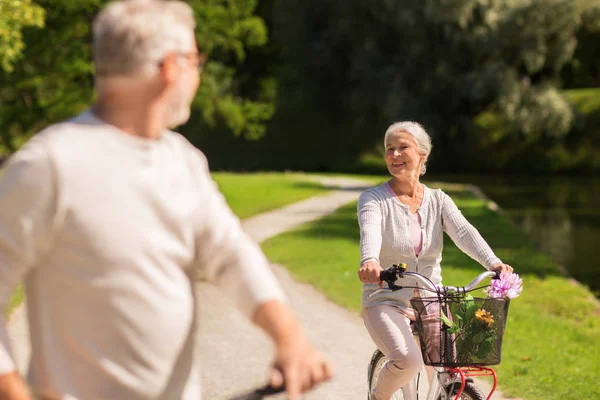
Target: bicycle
point(449, 351)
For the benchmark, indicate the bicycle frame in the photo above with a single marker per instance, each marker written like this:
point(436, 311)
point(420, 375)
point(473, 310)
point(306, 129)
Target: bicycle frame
point(441, 378)
point(474, 371)
point(436, 387)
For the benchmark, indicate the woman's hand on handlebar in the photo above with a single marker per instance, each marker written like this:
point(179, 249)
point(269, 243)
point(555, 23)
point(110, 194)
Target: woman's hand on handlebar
point(501, 267)
point(369, 272)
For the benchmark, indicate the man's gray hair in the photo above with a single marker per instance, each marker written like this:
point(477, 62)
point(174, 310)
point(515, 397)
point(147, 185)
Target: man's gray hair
point(132, 35)
point(417, 131)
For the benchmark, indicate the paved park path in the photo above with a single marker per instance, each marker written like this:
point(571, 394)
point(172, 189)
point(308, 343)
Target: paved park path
point(234, 354)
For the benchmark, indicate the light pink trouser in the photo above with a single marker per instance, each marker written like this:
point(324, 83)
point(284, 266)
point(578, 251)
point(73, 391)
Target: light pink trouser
point(390, 330)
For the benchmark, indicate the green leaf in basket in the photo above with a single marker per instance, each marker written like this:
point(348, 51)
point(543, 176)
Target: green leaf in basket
point(446, 320)
point(454, 329)
point(484, 348)
point(470, 307)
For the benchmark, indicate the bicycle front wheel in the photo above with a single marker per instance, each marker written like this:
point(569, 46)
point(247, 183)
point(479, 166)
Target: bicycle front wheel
point(471, 392)
point(377, 362)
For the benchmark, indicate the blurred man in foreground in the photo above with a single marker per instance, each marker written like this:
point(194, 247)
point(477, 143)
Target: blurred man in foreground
point(110, 217)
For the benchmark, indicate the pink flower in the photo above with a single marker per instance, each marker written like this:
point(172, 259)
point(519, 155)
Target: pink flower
point(509, 285)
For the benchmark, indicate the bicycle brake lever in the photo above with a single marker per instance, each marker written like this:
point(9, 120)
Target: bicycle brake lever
point(395, 287)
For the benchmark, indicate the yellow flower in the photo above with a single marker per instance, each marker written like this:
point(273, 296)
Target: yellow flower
point(484, 316)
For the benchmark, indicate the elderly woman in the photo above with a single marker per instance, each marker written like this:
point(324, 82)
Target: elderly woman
point(403, 220)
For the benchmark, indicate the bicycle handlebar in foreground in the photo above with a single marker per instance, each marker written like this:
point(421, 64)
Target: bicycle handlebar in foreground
point(395, 272)
point(260, 393)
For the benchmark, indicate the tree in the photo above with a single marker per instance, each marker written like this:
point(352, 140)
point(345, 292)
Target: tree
point(14, 16)
point(365, 64)
point(53, 79)
point(583, 70)
point(226, 31)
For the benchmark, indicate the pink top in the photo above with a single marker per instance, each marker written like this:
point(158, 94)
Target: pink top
point(416, 234)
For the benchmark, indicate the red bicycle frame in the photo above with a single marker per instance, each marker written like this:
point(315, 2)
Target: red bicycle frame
point(465, 372)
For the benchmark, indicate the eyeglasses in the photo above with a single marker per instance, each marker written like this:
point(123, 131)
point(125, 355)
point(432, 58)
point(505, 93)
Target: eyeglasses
point(197, 59)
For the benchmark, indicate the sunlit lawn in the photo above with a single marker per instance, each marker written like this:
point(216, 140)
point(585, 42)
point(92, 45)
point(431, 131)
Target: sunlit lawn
point(551, 348)
point(251, 194)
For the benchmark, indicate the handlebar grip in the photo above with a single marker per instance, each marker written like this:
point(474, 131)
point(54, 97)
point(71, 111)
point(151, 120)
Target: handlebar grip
point(260, 393)
point(388, 275)
point(269, 390)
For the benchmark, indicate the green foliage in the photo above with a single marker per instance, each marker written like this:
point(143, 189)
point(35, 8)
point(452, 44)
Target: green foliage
point(578, 150)
point(226, 30)
point(443, 63)
point(228, 26)
point(15, 15)
point(583, 70)
point(319, 81)
point(53, 78)
point(583, 148)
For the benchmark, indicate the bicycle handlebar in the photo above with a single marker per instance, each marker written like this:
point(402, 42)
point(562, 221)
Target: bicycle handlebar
point(260, 393)
point(395, 272)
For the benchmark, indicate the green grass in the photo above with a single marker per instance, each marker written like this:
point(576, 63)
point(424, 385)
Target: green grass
point(551, 348)
point(373, 179)
point(251, 194)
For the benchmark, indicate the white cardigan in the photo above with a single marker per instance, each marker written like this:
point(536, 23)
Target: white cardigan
point(385, 237)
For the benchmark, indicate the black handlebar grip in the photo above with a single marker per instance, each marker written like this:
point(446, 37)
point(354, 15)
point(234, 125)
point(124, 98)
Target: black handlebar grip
point(260, 393)
point(388, 275)
point(270, 390)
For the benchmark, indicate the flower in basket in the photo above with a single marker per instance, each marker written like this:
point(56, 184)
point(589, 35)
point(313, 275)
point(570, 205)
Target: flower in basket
point(484, 317)
point(472, 329)
point(475, 325)
point(509, 285)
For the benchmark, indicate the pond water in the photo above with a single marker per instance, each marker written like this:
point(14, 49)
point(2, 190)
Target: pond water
point(560, 214)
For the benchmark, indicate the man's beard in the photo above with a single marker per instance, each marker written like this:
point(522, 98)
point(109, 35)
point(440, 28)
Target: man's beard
point(180, 116)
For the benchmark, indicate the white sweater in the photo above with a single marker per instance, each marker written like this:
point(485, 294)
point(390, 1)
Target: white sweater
point(385, 237)
point(109, 232)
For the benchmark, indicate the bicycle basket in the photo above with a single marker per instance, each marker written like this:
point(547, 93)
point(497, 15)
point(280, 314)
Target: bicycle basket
point(456, 332)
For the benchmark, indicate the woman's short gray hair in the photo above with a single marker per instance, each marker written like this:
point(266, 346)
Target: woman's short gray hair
point(131, 35)
point(417, 131)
